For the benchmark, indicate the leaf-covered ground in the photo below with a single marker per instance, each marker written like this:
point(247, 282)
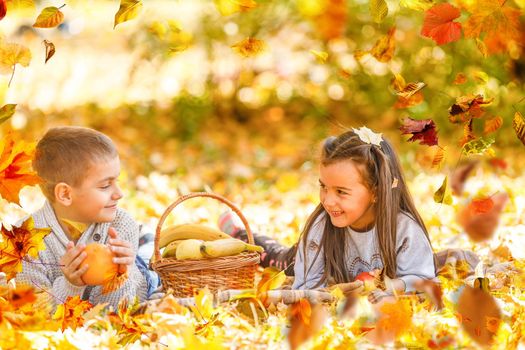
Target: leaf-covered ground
point(279, 209)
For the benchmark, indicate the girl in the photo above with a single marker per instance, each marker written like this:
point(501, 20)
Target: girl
point(366, 220)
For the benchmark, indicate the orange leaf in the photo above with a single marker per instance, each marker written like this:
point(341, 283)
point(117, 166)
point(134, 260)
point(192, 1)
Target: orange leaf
point(467, 107)
point(439, 26)
point(518, 124)
point(70, 314)
point(395, 317)
point(18, 243)
point(500, 23)
point(305, 321)
point(49, 17)
point(50, 49)
point(412, 101)
point(383, 49)
point(460, 79)
point(249, 47)
point(492, 125)
point(15, 168)
point(438, 158)
point(481, 205)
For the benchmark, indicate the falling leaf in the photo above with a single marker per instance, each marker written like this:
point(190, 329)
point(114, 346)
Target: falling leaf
point(492, 125)
point(478, 146)
point(481, 226)
point(15, 167)
point(128, 10)
point(481, 77)
point(305, 322)
point(70, 314)
point(493, 18)
point(476, 306)
point(481, 205)
point(438, 158)
point(443, 195)
point(498, 163)
point(12, 54)
point(18, 243)
point(7, 112)
point(468, 133)
point(482, 48)
point(50, 17)
point(422, 130)
point(412, 101)
point(368, 136)
point(229, 7)
point(418, 5)
point(383, 49)
point(50, 49)
point(249, 47)
point(439, 26)
point(433, 291)
point(321, 56)
point(378, 10)
point(467, 107)
point(3, 9)
point(518, 123)
point(410, 89)
point(460, 79)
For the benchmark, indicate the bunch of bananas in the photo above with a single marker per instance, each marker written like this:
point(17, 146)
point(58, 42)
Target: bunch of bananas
point(195, 241)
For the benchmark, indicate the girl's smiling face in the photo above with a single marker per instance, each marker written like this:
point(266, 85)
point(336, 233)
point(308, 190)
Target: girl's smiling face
point(345, 197)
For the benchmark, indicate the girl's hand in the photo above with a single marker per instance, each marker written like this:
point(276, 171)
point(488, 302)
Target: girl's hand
point(349, 288)
point(378, 295)
point(124, 253)
point(70, 264)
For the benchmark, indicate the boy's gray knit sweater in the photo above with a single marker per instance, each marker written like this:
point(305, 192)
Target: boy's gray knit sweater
point(45, 273)
point(415, 259)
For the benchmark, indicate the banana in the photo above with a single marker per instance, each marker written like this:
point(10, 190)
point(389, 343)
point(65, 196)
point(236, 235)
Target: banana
point(227, 247)
point(171, 249)
point(189, 231)
point(189, 249)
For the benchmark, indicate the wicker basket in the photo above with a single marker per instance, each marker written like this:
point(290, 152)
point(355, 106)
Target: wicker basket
point(185, 277)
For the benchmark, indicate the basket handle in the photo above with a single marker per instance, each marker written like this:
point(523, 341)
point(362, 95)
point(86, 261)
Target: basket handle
point(193, 195)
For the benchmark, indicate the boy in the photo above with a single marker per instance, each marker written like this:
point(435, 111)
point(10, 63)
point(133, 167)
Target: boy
point(79, 168)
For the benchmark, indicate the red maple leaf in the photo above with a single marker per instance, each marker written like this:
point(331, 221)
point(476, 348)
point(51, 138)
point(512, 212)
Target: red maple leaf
point(439, 26)
point(3, 9)
point(422, 130)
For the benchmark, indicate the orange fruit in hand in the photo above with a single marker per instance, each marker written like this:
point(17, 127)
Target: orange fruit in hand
point(101, 268)
point(368, 280)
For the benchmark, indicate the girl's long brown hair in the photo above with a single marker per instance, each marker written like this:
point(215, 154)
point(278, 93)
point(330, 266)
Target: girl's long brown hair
point(380, 169)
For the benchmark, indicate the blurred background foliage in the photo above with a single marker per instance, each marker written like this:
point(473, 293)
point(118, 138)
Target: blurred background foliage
point(169, 89)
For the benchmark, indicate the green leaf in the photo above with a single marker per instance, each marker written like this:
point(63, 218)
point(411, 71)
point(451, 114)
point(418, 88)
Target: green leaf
point(478, 146)
point(443, 194)
point(129, 9)
point(378, 10)
point(50, 17)
point(7, 112)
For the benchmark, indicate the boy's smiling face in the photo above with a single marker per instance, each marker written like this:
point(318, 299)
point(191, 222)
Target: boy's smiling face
point(96, 198)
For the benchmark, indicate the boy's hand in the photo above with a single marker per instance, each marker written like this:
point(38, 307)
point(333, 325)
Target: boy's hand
point(124, 253)
point(70, 264)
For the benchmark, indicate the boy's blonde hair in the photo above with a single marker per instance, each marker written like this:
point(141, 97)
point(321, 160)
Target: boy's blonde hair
point(65, 154)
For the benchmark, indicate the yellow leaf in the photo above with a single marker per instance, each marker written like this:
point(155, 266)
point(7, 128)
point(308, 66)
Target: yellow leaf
point(12, 54)
point(321, 56)
point(383, 49)
point(203, 309)
point(50, 49)
point(7, 112)
point(418, 5)
point(482, 48)
point(128, 10)
point(271, 278)
point(518, 123)
point(249, 47)
point(443, 194)
point(378, 10)
point(229, 7)
point(49, 17)
point(481, 77)
point(410, 89)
